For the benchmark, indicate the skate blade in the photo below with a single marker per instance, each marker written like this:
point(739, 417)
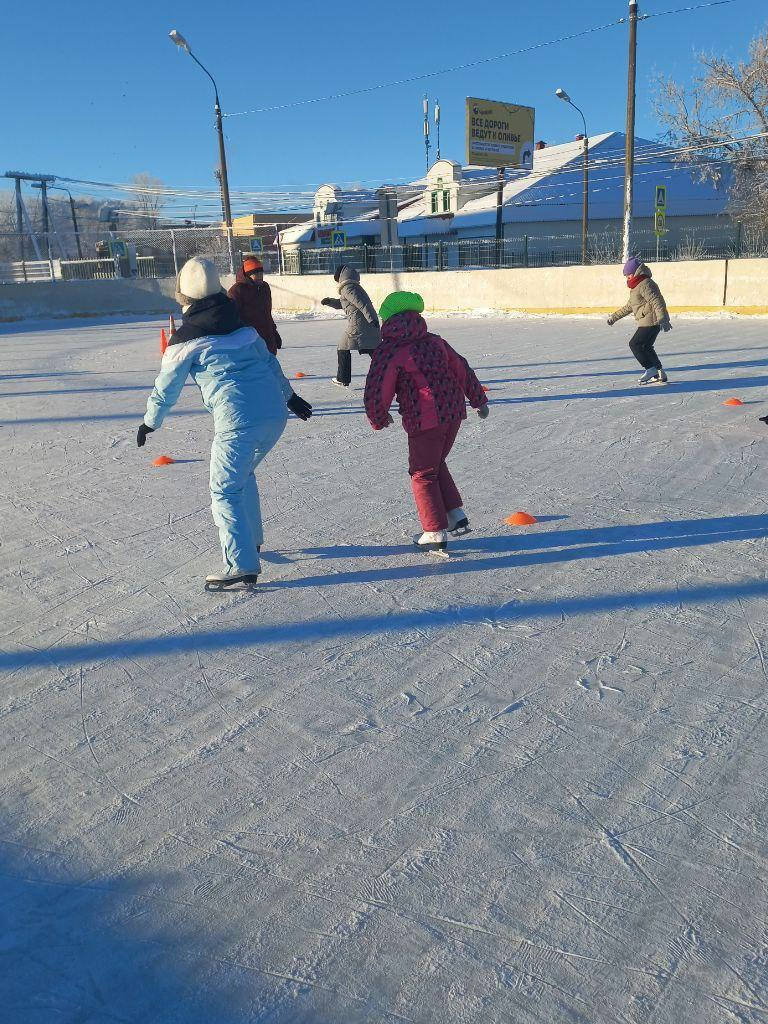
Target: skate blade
point(461, 531)
point(242, 583)
point(439, 553)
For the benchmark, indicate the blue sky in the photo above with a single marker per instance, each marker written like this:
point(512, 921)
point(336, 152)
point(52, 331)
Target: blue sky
point(97, 90)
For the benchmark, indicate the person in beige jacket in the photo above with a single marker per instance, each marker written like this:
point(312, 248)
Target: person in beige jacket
point(650, 311)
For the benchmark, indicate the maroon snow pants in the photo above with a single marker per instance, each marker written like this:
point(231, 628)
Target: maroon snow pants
point(433, 488)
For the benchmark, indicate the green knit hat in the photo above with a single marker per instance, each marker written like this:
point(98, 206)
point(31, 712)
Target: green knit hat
point(400, 302)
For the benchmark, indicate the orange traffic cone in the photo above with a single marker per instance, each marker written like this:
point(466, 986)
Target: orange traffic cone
point(171, 326)
point(733, 401)
point(163, 460)
point(521, 519)
point(299, 374)
point(163, 341)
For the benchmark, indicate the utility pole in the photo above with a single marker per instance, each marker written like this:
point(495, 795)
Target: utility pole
point(629, 164)
point(437, 125)
point(19, 220)
point(426, 130)
point(501, 177)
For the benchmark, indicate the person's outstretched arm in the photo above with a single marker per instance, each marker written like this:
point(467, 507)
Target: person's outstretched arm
point(620, 314)
point(466, 377)
point(174, 371)
point(380, 387)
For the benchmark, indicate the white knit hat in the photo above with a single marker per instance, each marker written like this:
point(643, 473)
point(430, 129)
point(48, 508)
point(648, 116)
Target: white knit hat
point(198, 279)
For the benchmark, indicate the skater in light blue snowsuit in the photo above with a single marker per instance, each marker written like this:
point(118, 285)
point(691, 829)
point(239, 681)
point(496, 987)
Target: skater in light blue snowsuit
point(242, 384)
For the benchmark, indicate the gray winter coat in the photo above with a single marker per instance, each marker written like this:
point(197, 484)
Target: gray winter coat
point(646, 302)
point(363, 332)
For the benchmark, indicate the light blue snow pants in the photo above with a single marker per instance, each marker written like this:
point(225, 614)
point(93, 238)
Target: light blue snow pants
point(235, 505)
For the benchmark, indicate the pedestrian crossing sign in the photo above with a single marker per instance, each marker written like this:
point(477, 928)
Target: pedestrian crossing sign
point(661, 197)
point(257, 246)
point(338, 239)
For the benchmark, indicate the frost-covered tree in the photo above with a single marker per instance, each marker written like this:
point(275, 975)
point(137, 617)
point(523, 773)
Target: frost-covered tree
point(727, 100)
point(149, 202)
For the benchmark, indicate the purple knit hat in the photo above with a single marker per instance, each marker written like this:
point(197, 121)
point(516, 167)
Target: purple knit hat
point(631, 266)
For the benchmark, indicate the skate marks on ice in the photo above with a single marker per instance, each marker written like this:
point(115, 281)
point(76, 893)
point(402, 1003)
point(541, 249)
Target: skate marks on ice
point(386, 799)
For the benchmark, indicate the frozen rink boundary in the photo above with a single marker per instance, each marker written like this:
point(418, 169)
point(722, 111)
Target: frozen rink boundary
point(709, 287)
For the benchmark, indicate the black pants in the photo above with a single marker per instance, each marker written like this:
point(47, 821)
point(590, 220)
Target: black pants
point(642, 345)
point(344, 373)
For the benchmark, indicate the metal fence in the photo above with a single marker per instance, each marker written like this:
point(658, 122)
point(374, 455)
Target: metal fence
point(162, 252)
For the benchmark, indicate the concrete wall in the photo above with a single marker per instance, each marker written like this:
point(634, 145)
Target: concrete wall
point(739, 286)
point(44, 300)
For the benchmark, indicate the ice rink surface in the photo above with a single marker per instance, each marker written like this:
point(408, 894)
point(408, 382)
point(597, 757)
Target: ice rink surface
point(525, 785)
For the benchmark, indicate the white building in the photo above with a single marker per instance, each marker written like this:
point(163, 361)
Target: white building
point(542, 207)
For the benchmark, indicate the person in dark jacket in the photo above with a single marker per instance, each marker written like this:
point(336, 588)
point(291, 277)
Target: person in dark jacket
point(253, 298)
point(363, 332)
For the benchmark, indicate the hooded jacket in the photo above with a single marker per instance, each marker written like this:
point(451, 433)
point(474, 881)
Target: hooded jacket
point(240, 381)
point(645, 301)
point(430, 380)
point(362, 331)
point(254, 302)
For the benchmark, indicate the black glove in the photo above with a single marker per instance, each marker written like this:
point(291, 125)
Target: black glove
point(299, 407)
point(333, 303)
point(141, 437)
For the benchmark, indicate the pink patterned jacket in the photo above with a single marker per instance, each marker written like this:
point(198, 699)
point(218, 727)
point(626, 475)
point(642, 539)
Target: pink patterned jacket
point(430, 380)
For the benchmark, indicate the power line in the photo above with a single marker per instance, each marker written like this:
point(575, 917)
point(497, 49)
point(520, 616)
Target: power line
point(471, 64)
point(429, 74)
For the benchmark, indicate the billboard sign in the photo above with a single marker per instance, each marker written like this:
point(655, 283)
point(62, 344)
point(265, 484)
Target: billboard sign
point(499, 134)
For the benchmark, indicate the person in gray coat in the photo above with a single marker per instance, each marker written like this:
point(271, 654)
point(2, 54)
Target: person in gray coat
point(363, 331)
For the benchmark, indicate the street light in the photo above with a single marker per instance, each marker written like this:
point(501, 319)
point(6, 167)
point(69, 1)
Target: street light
point(182, 43)
point(563, 95)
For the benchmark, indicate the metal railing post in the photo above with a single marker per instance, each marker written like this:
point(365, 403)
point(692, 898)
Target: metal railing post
point(173, 251)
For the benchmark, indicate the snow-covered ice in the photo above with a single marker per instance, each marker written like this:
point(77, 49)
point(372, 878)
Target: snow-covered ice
point(527, 785)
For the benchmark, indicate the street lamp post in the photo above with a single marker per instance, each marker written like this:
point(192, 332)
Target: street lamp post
point(182, 43)
point(563, 95)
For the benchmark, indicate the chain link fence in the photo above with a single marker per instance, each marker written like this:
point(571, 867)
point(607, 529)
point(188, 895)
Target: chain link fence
point(162, 252)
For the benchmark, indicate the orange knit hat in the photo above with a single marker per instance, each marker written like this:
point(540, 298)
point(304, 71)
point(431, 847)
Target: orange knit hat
point(252, 263)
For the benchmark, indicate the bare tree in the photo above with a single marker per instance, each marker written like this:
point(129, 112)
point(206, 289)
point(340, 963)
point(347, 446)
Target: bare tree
point(728, 100)
point(148, 203)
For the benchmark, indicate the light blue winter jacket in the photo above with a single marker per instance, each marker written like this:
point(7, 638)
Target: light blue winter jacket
point(240, 381)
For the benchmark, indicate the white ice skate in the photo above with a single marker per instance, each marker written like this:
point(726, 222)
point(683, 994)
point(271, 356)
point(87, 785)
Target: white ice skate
point(338, 383)
point(458, 523)
point(217, 581)
point(653, 376)
point(434, 541)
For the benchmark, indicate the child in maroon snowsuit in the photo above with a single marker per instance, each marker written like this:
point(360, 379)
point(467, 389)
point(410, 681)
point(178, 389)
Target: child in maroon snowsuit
point(431, 382)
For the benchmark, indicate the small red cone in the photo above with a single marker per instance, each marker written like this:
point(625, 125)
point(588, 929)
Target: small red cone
point(733, 401)
point(484, 387)
point(521, 519)
point(171, 326)
point(163, 460)
point(163, 341)
point(299, 374)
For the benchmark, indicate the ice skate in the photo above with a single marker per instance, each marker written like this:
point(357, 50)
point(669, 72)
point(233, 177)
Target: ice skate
point(647, 374)
point(218, 581)
point(338, 383)
point(657, 377)
point(434, 542)
point(458, 523)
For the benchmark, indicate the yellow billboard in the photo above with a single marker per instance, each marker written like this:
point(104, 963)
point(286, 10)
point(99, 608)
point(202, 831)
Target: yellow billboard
point(499, 134)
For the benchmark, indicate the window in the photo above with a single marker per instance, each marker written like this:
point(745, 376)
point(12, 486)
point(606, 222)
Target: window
point(435, 202)
point(446, 201)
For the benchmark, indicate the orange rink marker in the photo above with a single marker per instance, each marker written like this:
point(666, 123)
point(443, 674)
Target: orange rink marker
point(521, 519)
point(163, 460)
point(299, 374)
point(733, 401)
